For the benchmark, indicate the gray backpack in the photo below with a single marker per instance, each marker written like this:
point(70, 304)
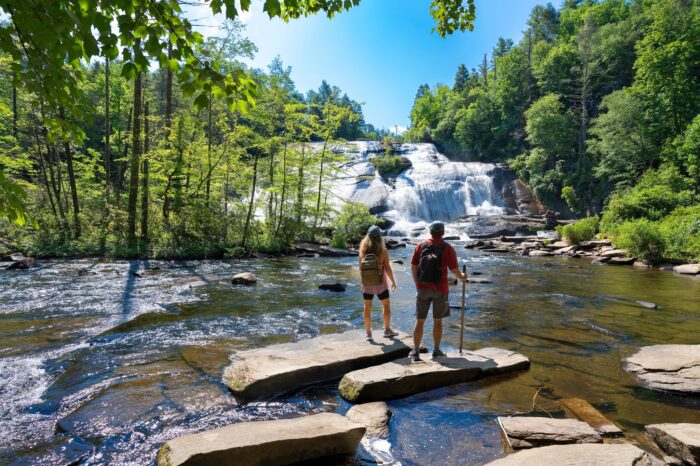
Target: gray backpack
point(371, 270)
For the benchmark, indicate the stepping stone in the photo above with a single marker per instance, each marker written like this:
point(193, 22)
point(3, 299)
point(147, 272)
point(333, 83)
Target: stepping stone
point(529, 432)
point(276, 369)
point(374, 416)
point(271, 443)
point(583, 410)
point(687, 269)
point(591, 454)
point(668, 367)
point(401, 378)
point(679, 440)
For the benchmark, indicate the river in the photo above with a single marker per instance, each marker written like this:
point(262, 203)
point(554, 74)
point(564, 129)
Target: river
point(100, 366)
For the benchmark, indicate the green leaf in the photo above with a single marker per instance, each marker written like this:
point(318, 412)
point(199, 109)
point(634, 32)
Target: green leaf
point(141, 32)
point(202, 101)
point(272, 8)
point(173, 65)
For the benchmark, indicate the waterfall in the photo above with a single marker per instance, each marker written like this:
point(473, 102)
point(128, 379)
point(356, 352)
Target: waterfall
point(434, 188)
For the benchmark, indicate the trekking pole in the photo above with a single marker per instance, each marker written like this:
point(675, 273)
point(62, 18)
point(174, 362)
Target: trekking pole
point(464, 296)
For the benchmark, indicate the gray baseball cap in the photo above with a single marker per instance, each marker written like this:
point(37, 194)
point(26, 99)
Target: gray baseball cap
point(437, 227)
point(374, 232)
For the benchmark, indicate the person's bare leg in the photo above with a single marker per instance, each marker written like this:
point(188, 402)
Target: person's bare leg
point(418, 334)
point(368, 316)
point(437, 332)
point(386, 315)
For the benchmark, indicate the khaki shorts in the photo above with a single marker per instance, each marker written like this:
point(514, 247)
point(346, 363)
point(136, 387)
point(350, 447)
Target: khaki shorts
point(441, 304)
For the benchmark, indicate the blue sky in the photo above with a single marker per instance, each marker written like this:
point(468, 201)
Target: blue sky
point(379, 52)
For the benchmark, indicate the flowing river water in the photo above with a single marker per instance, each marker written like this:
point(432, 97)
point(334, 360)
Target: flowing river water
point(100, 366)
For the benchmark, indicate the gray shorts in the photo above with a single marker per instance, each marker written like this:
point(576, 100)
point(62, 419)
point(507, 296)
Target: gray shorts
point(441, 304)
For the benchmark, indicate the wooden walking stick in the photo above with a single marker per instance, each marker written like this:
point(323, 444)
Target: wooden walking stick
point(464, 297)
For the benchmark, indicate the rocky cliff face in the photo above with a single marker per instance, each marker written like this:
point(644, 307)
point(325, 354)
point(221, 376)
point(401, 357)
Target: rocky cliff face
point(517, 195)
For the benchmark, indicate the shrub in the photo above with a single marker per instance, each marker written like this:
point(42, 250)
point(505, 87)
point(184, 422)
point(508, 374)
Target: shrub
point(353, 221)
point(642, 238)
point(338, 240)
point(390, 165)
point(582, 230)
point(681, 233)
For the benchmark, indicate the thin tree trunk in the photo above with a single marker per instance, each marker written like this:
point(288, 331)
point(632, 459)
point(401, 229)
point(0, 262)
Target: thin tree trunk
point(271, 173)
point(300, 187)
point(120, 165)
point(42, 167)
point(134, 160)
point(71, 181)
point(14, 109)
point(169, 91)
point(320, 180)
point(284, 189)
point(108, 130)
point(209, 130)
point(252, 200)
point(144, 179)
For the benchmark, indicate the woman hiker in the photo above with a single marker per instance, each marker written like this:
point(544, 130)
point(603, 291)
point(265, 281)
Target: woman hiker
point(375, 270)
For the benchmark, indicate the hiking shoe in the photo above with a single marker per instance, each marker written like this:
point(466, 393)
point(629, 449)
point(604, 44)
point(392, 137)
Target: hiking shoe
point(390, 333)
point(369, 338)
point(437, 353)
point(423, 349)
point(413, 356)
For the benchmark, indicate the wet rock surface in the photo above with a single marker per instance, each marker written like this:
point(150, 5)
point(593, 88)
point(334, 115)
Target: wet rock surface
point(335, 287)
point(322, 250)
point(374, 416)
point(588, 414)
point(245, 278)
point(279, 442)
point(578, 455)
point(667, 367)
point(529, 432)
point(687, 269)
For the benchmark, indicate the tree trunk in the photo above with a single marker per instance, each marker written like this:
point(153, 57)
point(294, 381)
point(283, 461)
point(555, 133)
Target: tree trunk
point(14, 110)
point(144, 179)
point(209, 169)
point(71, 181)
point(270, 202)
point(284, 189)
point(108, 131)
point(252, 200)
point(42, 167)
point(300, 187)
point(134, 161)
point(320, 180)
point(169, 91)
point(120, 165)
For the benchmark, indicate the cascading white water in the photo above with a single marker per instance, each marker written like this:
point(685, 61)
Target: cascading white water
point(434, 188)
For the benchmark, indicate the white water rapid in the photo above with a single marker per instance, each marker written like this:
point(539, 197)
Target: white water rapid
point(434, 188)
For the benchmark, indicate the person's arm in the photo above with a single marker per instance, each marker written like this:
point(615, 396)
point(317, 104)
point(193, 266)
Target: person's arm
point(414, 271)
point(389, 270)
point(454, 265)
point(414, 264)
point(361, 256)
point(458, 273)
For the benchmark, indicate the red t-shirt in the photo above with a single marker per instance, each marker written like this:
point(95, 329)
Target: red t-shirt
point(449, 262)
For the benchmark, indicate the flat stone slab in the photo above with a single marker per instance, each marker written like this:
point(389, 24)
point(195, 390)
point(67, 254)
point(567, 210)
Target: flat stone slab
point(262, 443)
point(401, 378)
point(679, 440)
point(374, 416)
point(668, 367)
point(529, 432)
point(583, 410)
point(585, 454)
point(280, 368)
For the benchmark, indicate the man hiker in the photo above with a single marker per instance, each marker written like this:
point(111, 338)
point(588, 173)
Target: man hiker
point(429, 264)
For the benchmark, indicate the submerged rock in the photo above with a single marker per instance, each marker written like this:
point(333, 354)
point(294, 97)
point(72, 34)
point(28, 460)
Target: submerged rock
point(588, 414)
point(679, 440)
point(647, 304)
point(578, 455)
point(280, 368)
point(668, 367)
point(621, 261)
point(245, 278)
point(529, 432)
point(336, 287)
point(279, 442)
point(374, 416)
point(401, 378)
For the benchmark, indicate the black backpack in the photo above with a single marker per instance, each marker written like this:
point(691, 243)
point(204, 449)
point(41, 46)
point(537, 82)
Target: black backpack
point(430, 263)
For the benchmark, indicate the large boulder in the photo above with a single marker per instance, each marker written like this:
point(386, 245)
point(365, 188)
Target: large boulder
point(679, 440)
point(266, 443)
point(585, 454)
point(402, 377)
point(687, 269)
point(529, 432)
point(245, 278)
point(280, 368)
point(374, 416)
point(668, 367)
point(336, 287)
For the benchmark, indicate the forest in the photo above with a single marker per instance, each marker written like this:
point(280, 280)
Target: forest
point(137, 162)
point(598, 109)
